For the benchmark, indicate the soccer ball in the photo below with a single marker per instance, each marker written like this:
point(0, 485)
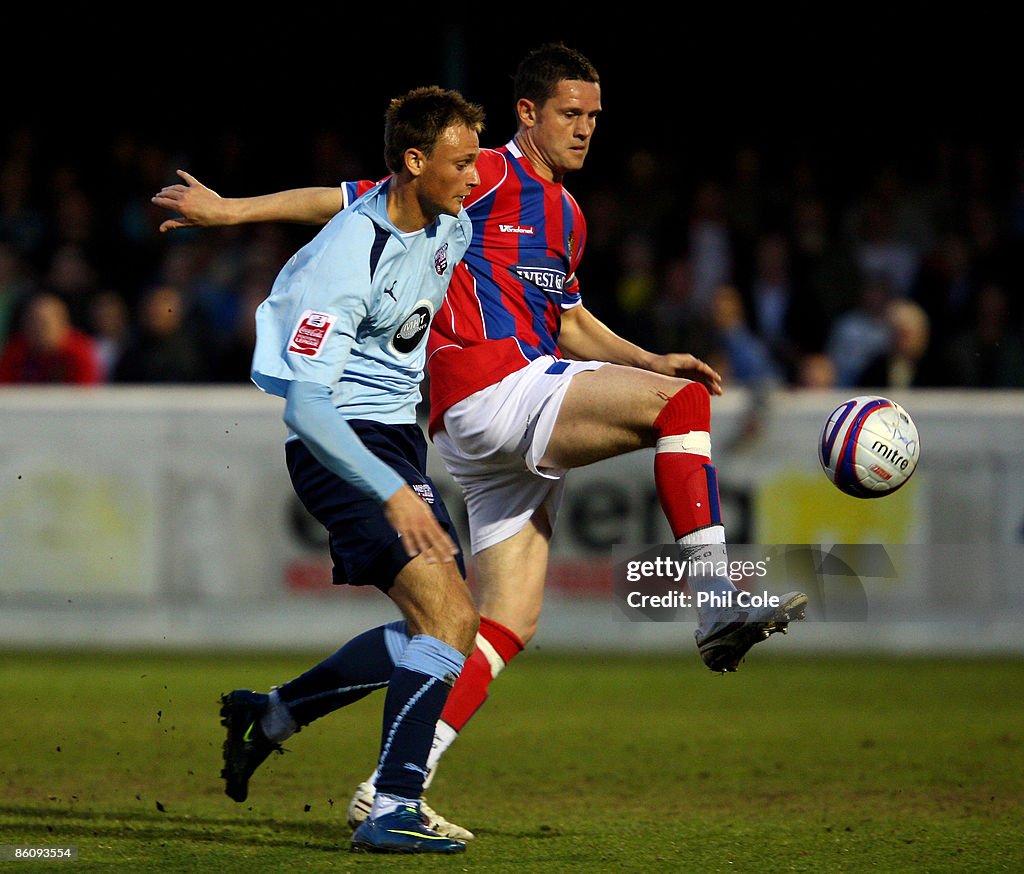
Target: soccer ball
point(869, 447)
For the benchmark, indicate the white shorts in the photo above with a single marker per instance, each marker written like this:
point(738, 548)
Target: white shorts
point(493, 444)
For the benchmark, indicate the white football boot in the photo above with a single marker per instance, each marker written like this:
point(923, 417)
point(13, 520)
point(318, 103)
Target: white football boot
point(725, 635)
point(362, 802)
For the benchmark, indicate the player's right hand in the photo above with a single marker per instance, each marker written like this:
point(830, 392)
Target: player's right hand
point(418, 527)
point(198, 205)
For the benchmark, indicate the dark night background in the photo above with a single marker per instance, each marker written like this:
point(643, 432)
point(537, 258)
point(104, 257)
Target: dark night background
point(107, 104)
point(852, 82)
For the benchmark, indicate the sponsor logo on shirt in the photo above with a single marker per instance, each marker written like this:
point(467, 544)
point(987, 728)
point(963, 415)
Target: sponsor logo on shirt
point(310, 334)
point(516, 229)
point(545, 278)
point(412, 329)
point(441, 260)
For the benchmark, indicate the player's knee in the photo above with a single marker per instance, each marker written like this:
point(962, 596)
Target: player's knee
point(689, 409)
point(460, 618)
point(694, 395)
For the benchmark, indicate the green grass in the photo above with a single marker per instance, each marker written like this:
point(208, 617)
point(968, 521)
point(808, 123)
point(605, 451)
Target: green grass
point(578, 763)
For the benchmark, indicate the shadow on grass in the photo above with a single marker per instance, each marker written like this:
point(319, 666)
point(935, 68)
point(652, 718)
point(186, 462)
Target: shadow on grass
point(20, 823)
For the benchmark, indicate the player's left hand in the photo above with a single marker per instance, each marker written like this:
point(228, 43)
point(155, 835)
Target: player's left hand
point(418, 527)
point(198, 205)
point(688, 366)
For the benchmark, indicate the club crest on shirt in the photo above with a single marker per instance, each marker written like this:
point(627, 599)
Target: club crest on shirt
point(412, 329)
point(570, 244)
point(441, 260)
point(424, 491)
point(310, 333)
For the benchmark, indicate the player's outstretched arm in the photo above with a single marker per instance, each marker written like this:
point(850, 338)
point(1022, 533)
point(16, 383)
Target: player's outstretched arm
point(200, 207)
point(584, 337)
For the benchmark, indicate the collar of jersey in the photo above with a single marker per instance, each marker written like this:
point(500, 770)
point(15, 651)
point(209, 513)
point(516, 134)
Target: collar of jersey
point(375, 205)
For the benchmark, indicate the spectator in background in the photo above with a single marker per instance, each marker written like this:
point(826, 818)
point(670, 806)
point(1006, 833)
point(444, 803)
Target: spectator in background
point(678, 324)
point(881, 251)
point(15, 287)
point(84, 216)
point(48, 349)
point(110, 325)
point(22, 222)
point(815, 371)
point(644, 202)
point(749, 203)
point(787, 320)
point(820, 260)
point(990, 352)
point(73, 276)
point(231, 355)
point(203, 272)
point(745, 357)
point(710, 245)
point(994, 259)
point(162, 348)
point(907, 361)
point(636, 287)
point(860, 334)
point(945, 286)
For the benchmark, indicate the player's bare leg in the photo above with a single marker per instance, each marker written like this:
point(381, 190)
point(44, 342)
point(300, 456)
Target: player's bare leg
point(511, 576)
point(417, 655)
point(613, 410)
point(435, 600)
point(608, 412)
point(442, 622)
point(510, 596)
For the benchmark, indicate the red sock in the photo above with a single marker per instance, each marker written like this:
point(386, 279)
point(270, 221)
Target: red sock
point(495, 648)
point(686, 481)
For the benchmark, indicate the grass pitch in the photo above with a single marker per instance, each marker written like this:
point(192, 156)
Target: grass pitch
point(585, 763)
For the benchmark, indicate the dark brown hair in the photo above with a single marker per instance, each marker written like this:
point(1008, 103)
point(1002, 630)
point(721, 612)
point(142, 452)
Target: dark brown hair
point(417, 119)
point(542, 69)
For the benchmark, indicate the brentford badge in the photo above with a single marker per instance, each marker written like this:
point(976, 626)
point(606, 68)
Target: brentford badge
point(424, 491)
point(441, 260)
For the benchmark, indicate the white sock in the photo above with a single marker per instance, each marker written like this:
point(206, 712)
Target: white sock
point(277, 722)
point(707, 584)
point(384, 804)
point(444, 737)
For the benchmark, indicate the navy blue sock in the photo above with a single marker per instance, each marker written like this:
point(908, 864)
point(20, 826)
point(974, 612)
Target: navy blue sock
point(416, 696)
point(361, 666)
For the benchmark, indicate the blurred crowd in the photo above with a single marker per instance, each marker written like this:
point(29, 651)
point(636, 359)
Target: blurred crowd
point(786, 272)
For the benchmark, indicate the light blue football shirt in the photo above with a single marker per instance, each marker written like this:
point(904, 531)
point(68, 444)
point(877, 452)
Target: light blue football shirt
point(351, 311)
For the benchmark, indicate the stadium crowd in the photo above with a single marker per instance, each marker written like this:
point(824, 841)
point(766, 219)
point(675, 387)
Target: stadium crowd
point(785, 272)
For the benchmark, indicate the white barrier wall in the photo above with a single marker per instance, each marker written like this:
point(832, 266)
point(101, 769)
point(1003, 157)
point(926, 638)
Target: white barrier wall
point(137, 516)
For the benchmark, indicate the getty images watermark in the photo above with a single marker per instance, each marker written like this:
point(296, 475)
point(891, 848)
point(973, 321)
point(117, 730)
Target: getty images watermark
point(655, 583)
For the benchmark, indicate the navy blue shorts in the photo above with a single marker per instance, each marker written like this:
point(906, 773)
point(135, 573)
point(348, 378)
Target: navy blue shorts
point(365, 549)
